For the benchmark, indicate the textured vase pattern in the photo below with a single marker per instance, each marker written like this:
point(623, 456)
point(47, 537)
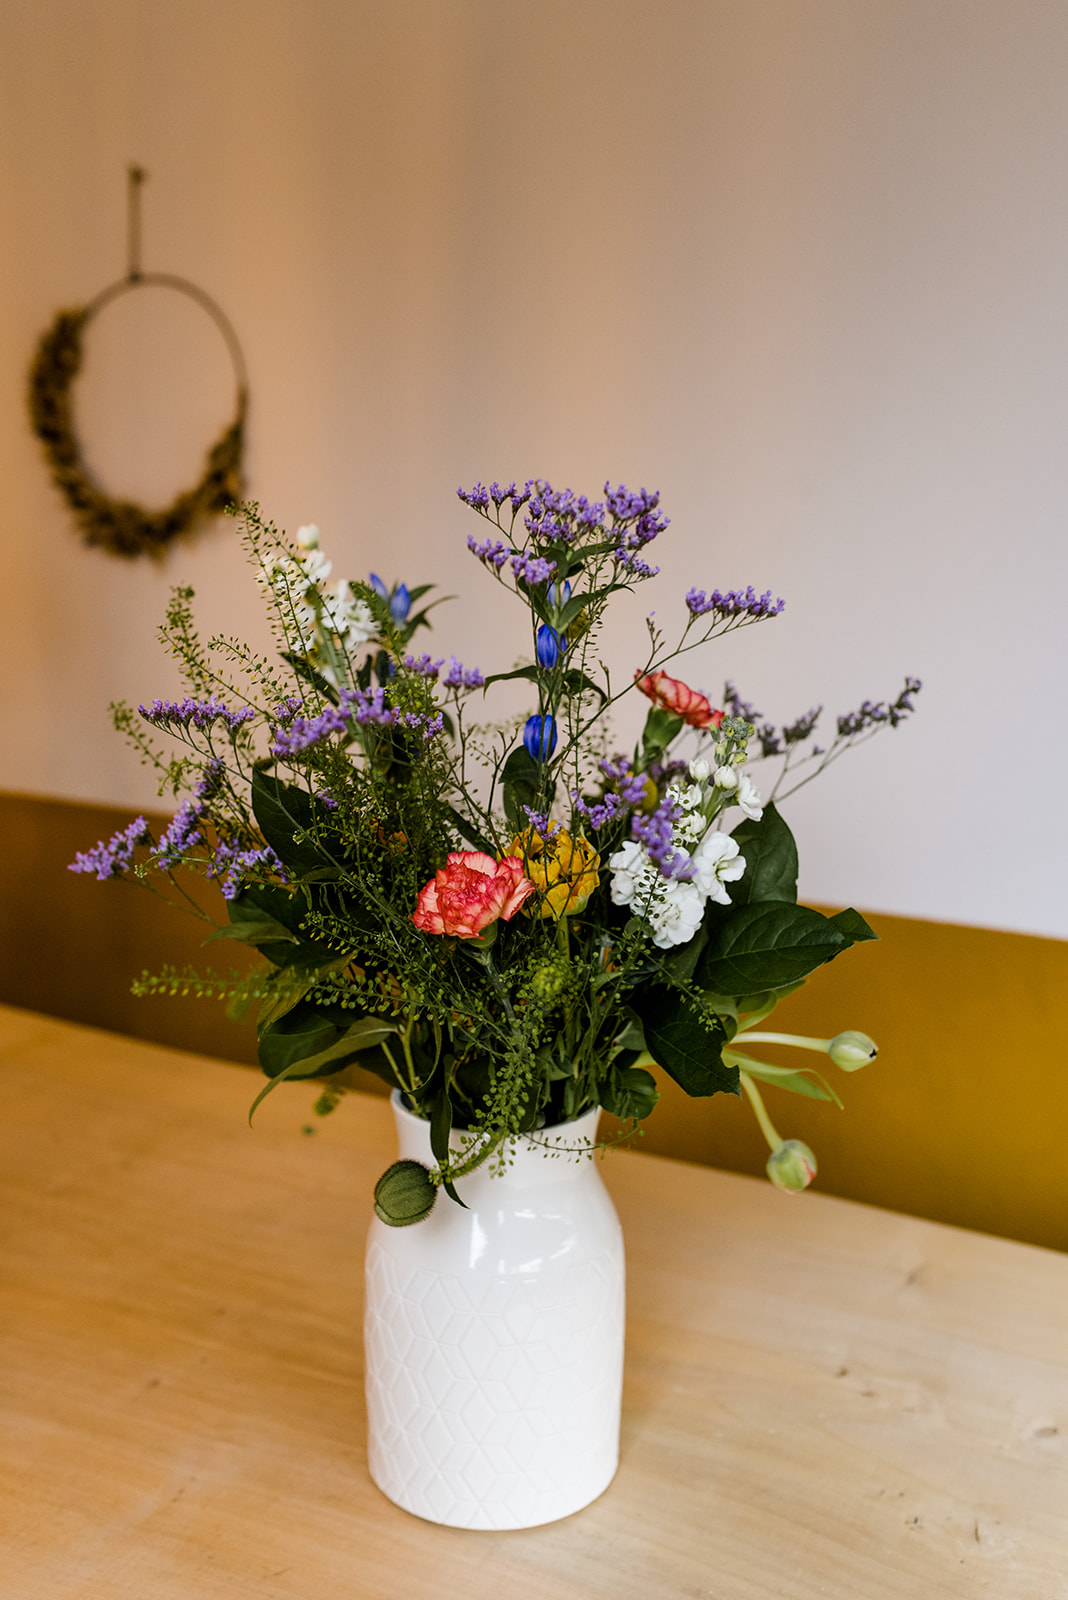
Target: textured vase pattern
point(494, 1342)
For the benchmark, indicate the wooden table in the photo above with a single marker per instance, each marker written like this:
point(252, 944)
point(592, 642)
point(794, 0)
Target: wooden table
point(821, 1398)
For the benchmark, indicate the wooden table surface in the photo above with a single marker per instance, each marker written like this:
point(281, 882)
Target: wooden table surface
point(821, 1398)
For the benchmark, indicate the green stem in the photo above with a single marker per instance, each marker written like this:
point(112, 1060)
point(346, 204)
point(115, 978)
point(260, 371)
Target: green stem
point(799, 1040)
point(767, 1127)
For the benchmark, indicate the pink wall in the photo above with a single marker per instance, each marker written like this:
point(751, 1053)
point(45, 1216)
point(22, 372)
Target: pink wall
point(799, 263)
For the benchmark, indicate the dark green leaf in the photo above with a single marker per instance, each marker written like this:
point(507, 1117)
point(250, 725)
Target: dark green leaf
point(770, 860)
point(467, 830)
point(851, 924)
point(629, 1093)
point(285, 814)
point(686, 1042)
point(305, 670)
point(766, 946)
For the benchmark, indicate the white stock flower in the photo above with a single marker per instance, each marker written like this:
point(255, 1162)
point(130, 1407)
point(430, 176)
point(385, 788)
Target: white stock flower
point(700, 771)
point(726, 778)
point(308, 536)
point(676, 916)
point(633, 874)
point(748, 798)
point(717, 862)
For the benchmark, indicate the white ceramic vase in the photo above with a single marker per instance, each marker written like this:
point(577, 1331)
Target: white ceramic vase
point(494, 1339)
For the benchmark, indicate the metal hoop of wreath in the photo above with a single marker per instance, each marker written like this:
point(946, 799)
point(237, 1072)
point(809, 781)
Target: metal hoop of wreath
point(121, 526)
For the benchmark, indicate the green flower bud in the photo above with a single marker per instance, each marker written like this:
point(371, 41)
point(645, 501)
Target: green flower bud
point(792, 1166)
point(404, 1194)
point(851, 1050)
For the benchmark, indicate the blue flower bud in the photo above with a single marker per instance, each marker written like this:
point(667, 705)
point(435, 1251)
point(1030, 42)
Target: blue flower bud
point(548, 646)
point(792, 1166)
point(553, 596)
point(378, 586)
point(401, 603)
point(539, 737)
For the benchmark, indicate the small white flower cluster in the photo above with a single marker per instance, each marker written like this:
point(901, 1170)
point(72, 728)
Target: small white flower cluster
point(674, 907)
point(300, 580)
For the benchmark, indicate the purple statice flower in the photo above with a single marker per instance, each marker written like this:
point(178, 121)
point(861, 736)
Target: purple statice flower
point(539, 736)
point(499, 495)
point(459, 677)
point(800, 730)
point(873, 715)
point(367, 708)
point(636, 567)
point(733, 702)
point(630, 785)
point(424, 666)
point(491, 552)
point(478, 497)
point(110, 860)
point(326, 799)
point(541, 822)
point(287, 709)
point(232, 864)
point(181, 835)
point(734, 604)
point(655, 834)
point(532, 569)
point(211, 780)
point(628, 504)
point(196, 713)
point(601, 811)
point(304, 732)
point(422, 722)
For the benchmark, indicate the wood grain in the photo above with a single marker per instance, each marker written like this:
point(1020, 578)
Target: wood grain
point(821, 1398)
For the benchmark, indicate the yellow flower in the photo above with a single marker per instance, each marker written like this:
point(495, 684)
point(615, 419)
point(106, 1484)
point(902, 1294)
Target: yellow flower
point(562, 869)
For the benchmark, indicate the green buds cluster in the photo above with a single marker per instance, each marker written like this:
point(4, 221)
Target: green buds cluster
point(549, 977)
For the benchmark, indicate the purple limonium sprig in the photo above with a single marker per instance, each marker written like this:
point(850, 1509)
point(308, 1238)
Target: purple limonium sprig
point(198, 713)
point(600, 812)
point(422, 722)
point(110, 860)
point(630, 785)
point(304, 732)
point(424, 666)
point(370, 707)
point(871, 715)
point(181, 835)
point(287, 709)
point(478, 497)
point(655, 834)
point(735, 603)
point(459, 677)
point(326, 798)
point(232, 864)
point(532, 569)
point(491, 552)
point(542, 823)
point(634, 563)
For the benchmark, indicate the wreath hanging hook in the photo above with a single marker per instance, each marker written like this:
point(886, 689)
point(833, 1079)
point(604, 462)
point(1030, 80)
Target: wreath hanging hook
point(122, 526)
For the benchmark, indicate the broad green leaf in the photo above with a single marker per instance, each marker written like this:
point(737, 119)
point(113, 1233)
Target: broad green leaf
point(629, 1093)
point(679, 1039)
point(770, 860)
point(266, 931)
point(797, 1080)
point(467, 830)
point(309, 1050)
point(285, 814)
point(768, 945)
point(853, 926)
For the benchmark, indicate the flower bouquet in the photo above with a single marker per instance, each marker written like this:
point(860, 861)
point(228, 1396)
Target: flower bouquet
point(510, 922)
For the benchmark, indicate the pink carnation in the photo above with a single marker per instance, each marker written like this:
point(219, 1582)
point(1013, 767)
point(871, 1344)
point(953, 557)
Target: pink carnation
point(677, 697)
point(472, 891)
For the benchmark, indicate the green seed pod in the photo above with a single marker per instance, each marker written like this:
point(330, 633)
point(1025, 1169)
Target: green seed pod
point(792, 1166)
point(851, 1050)
point(404, 1194)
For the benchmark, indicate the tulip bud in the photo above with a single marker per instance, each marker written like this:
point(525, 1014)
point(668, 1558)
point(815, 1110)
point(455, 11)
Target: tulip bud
point(700, 771)
point(726, 778)
point(404, 1194)
point(851, 1050)
point(308, 536)
point(792, 1166)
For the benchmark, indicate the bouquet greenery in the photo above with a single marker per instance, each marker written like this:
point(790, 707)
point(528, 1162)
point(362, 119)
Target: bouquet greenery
point(509, 922)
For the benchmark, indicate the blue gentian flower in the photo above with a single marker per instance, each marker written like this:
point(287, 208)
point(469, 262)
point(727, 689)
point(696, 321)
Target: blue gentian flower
point(401, 603)
point(539, 737)
point(378, 586)
point(548, 645)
